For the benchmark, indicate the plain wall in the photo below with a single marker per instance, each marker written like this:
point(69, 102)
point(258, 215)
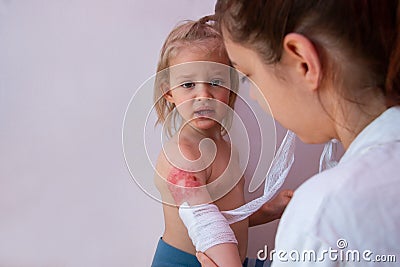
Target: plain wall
point(67, 72)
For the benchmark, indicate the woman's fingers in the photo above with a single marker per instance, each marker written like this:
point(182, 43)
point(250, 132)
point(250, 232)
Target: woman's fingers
point(284, 196)
point(289, 193)
point(204, 260)
point(280, 201)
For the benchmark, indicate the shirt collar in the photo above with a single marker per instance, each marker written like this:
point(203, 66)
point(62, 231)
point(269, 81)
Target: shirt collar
point(384, 129)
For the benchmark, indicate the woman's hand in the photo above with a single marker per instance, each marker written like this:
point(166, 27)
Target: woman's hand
point(278, 204)
point(204, 260)
point(271, 210)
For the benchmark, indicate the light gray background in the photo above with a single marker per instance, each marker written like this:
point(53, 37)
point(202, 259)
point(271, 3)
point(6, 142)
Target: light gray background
point(67, 72)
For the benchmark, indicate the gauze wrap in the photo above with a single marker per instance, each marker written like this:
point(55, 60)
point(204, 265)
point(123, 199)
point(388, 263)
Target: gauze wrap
point(280, 168)
point(326, 160)
point(206, 225)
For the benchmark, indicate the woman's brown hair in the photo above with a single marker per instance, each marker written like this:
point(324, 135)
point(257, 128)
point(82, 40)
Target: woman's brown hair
point(357, 36)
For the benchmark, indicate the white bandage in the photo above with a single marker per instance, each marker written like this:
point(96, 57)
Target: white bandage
point(327, 159)
point(206, 226)
point(280, 168)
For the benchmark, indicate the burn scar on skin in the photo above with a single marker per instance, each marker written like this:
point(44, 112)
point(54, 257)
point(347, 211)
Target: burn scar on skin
point(184, 187)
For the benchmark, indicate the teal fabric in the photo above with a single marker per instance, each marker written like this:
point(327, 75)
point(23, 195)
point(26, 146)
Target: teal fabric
point(169, 256)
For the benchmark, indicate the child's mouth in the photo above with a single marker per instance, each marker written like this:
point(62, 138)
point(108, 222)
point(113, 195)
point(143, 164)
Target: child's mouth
point(204, 113)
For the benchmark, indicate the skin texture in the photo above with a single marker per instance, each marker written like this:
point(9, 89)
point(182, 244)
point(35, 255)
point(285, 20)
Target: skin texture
point(186, 185)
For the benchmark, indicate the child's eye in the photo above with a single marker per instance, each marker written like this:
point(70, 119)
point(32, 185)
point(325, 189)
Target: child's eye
point(216, 82)
point(188, 85)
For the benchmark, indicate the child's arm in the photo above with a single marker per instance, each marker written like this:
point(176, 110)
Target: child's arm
point(204, 260)
point(211, 234)
point(180, 186)
point(177, 186)
point(196, 218)
point(224, 255)
point(227, 254)
point(271, 210)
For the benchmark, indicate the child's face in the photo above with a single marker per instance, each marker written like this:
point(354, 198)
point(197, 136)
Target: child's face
point(199, 87)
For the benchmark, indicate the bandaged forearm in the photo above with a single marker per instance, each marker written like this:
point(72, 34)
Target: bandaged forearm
point(207, 227)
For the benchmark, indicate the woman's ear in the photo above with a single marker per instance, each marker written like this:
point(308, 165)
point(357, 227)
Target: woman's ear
point(302, 52)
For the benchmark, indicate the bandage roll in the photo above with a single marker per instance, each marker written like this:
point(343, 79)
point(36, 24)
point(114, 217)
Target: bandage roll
point(207, 227)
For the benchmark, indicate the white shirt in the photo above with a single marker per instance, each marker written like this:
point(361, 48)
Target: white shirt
point(353, 206)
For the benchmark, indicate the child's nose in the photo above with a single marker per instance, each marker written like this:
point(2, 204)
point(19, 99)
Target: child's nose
point(204, 90)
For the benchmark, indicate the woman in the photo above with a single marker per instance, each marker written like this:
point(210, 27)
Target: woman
point(329, 69)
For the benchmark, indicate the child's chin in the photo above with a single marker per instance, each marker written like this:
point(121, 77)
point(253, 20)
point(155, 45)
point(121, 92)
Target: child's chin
point(205, 123)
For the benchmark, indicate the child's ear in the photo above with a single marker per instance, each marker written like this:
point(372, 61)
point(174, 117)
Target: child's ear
point(166, 92)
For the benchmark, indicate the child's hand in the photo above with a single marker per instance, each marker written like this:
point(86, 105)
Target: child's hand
point(277, 205)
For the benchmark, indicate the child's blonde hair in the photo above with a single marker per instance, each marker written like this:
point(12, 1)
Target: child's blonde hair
point(203, 34)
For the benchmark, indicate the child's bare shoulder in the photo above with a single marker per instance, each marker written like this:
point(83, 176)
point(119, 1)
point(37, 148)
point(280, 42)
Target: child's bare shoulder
point(179, 159)
point(183, 156)
point(178, 183)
